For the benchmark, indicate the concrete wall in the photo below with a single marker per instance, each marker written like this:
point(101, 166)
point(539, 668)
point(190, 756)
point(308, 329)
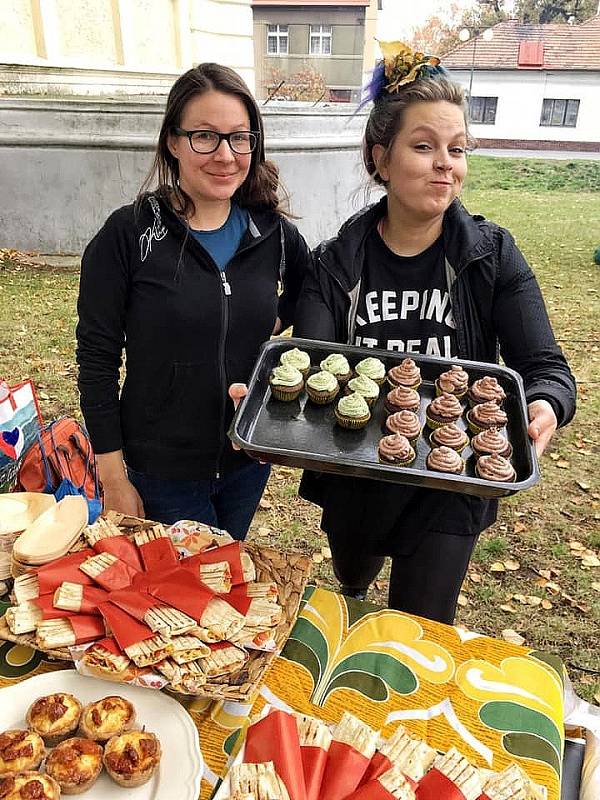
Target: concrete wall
point(520, 95)
point(65, 165)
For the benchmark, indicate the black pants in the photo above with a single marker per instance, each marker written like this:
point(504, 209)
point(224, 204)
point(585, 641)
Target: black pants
point(426, 575)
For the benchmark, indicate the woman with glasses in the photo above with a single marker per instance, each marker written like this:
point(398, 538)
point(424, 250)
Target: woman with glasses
point(189, 280)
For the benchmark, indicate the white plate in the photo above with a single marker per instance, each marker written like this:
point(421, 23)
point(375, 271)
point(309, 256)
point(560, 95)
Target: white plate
point(181, 765)
point(20, 509)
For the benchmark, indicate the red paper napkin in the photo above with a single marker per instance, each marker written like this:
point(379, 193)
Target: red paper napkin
point(372, 790)
point(377, 766)
point(483, 796)
point(238, 598)
point(133, 602)
point(159, 554)
point(275, 738)
point(232, 553)
point(51, 575)
point(436, 786)
point(44, 603)
point(87, 628)
point(183, 591)
point(92, 597)
point(118, 576)
point(314, 760)
point(124, 628)
point(343, 771)
point(123, 548)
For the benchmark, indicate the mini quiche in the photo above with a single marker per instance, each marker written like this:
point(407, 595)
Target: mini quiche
point(54, 717)
point(29, 784)
point(105, 718)
point(132, 758)
point(19, 751)
point(75, 765)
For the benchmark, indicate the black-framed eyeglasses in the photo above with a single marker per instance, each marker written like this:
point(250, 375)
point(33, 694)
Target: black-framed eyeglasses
point(205, 142)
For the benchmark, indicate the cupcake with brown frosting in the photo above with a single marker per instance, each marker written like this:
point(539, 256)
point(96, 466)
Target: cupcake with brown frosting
point(449, 436)
point(445, 459)
point(491, 441)
point(485, 390)
point(396, 449)
point(486, 415)
point(443, 410)
point(405, 374)
point(406, 423)
point(494, 468)
point(402, 399)
point(454, 381)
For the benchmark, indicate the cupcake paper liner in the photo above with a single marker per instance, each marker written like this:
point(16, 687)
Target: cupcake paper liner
point(475, 428)
point(406, 463)
point(458, 449)
point(281, 393)
point(435, 423)
point(351, 423)
point(321, 398)
point(414, 386)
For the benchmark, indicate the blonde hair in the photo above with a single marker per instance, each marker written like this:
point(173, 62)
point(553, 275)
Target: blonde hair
point(387, 115)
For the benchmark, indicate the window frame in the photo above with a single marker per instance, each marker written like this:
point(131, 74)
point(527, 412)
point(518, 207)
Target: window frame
point(320, 36)
point(279, 35)
point(489, 107)
point(549, 112)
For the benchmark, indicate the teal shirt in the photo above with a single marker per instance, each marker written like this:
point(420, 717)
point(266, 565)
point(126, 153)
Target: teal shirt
point(223, 242)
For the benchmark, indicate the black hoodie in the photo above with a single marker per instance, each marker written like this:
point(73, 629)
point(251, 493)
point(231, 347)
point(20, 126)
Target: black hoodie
point(498, 309)
point(188, 329)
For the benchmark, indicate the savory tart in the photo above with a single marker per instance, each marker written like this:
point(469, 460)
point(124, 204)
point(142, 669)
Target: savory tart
point(75, 765)
point(132, 758)
point(108, 717)
point(19, 751)
point(54, 717)
point(30, 784)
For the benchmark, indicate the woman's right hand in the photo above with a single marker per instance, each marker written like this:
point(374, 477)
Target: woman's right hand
point(121, 495)
point(237, 392)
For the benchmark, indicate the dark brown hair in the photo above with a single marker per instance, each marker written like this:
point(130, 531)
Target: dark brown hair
point(387, 115)
point(259, 190)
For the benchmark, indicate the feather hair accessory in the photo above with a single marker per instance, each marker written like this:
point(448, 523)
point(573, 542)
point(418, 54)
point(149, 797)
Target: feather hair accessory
point(399, 66)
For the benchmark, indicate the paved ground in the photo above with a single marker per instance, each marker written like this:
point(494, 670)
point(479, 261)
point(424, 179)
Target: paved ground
point(554, 154)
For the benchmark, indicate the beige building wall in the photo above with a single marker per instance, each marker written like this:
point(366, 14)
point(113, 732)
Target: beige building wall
point(371, 51)
point(119, 46)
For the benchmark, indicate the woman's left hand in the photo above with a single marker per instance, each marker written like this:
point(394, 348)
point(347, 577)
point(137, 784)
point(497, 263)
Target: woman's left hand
point(542, 424)
point(277, 328)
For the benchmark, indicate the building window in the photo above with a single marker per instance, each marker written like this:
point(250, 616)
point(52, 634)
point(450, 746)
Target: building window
point(340, 95)
point(277, 40)
point(483, 109)
point(320, 40)
point(560, 113)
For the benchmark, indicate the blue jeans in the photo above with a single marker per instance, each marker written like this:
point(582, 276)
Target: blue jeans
point(228, 502)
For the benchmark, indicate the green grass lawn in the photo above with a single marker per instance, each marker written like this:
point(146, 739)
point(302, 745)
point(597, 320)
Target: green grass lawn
point(553, 210)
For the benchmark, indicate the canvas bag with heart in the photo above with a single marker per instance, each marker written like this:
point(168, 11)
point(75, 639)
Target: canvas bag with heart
point(20, 423)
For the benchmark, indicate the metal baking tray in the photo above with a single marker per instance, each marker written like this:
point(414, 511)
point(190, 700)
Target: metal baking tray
point(302, 434)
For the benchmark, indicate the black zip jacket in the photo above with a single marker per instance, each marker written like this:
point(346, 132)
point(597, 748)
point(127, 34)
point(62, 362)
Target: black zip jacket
point(498, 310)
point(188, 329)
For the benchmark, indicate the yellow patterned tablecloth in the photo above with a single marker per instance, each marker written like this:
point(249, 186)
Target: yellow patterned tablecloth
point(495, 701)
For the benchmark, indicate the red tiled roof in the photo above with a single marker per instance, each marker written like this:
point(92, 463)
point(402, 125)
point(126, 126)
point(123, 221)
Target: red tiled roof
point(566, 47)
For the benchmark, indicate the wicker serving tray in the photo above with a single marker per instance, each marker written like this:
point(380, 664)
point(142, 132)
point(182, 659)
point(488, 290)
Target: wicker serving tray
point(289, 571)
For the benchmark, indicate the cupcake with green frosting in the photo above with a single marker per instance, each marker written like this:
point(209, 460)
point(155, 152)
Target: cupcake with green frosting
point(352, 411)
point(296, 358)
point(372, 368)
point(365, 386)
point(286, 382)
point(322, 387)
point(338, 365)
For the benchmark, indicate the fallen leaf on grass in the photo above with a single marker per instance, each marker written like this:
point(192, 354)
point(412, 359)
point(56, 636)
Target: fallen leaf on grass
point(596, 586)
point(563, 464)
point(264, 531)
point(584, 486)
point(317, 558)
point(508, 608)
point(519, 527)
point(591, 560)
point(326, 552)
point(554, 456)
point(511, 636)
point(462, 600)
point(597, 698)
point(264, 503)
point(381, 586)
point(575, 545)
point(475, 577)
point(546, 605)
point(511, 565)
point(497, 566)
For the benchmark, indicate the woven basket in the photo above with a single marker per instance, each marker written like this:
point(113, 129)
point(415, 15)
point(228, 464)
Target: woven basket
point(289, 571)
